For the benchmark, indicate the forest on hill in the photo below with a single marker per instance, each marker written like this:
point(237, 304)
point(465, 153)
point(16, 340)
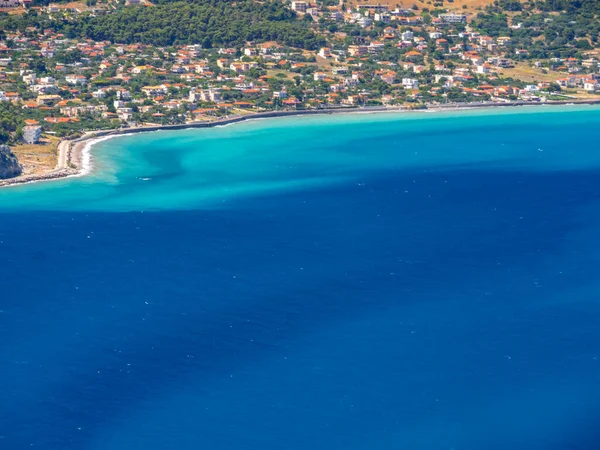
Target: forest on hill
point(210, 23)
point(206, 22)
point(539, 29)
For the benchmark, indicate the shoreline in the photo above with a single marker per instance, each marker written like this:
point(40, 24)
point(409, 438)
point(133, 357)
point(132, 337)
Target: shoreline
point(74, 156)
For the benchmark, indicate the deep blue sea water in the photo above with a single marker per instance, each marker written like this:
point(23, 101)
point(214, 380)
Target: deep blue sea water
point(420, 281)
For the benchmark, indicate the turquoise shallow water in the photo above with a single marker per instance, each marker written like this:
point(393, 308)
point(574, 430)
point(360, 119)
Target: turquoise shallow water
point(419, 281)
point(211, 167)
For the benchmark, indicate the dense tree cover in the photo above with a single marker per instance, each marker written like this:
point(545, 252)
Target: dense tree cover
point(509, 5)
point(492, 24)
point(27, 23)
point(206, 22)
point(10, 121)
point(210, 23)
point(543, 33)
point(585, 6)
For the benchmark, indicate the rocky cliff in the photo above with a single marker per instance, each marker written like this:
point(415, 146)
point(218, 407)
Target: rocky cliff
point(9, 164)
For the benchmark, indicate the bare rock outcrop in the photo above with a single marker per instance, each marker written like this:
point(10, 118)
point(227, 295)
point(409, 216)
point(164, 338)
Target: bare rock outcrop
point(9, 164)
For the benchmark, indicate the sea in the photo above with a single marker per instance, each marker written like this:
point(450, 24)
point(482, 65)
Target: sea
point(401, 281)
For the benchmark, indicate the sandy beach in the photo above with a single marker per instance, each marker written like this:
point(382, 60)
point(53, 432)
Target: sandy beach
point(74, 156)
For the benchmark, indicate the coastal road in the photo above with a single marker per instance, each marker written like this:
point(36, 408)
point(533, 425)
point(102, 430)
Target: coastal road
point(63, 150)
point(63, 159)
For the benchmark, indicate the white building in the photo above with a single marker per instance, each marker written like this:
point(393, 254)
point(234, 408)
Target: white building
point(32, 134)
point(3, 97)
point(453, 18)
point(299, 6)
point(44, 88)
point(337, 16)
point(124, 113)
point(325, 52)
point(438, 77)
point(30, 79)
point(211, 95)
point(154, 91)
point(47, 52)
point(358, 50)
point(123, 94)
point(194, 95)
point(205, 95)
point(319, 76)
point(9, 3)
point(376, 47)
point(280, 94)
point(407, 35)
point(76, 79)
point(376, 8)
point(364, 22)
point(382, 17)
point(410, 83)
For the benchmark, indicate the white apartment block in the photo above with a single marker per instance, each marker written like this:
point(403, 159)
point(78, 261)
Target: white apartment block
point(299, 6)
point(453, 18)
point(9, 3)
point(32, 134)
point(410, 83)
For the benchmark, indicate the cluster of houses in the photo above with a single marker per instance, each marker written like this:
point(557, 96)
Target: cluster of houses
point(419, 63)
point(5, 4)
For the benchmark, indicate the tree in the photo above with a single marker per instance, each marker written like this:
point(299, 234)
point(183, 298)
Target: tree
point(554, 87)
point(583, 44)
point(214, 22)
point(4, 136)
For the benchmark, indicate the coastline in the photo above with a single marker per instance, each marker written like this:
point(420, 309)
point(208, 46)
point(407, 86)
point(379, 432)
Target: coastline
point(74, 156)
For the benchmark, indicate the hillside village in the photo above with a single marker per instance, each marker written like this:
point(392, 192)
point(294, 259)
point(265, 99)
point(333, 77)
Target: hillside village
point(52, 84)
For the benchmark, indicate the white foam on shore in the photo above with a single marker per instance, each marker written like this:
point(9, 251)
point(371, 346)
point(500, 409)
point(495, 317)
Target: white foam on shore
point(87, 162)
